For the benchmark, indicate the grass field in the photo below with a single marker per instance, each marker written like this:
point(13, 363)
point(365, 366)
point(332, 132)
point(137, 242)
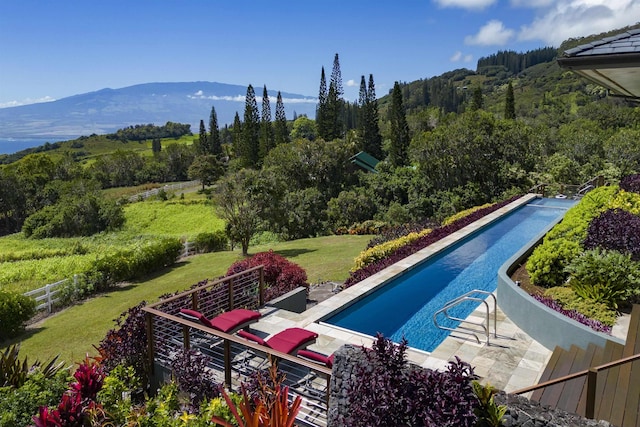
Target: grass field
point(27, 264)
point(72, 333)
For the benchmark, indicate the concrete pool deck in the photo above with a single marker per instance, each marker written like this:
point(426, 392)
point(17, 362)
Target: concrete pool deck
point(512, 361)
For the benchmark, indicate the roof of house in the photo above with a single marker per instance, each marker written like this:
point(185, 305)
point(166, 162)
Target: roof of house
point(613, 62)
point(365, 161)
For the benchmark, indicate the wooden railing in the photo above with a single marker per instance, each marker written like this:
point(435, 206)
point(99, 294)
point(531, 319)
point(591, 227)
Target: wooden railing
point(232, 359)
point(592, 379)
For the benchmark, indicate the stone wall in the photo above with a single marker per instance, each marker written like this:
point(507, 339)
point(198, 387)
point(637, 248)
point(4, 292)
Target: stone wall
point(521, 412)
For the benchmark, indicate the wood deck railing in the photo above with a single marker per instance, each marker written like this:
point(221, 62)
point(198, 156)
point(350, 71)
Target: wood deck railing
point(232, 359)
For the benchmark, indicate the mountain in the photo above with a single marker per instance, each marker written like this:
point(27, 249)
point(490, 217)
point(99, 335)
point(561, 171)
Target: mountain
point(108, 110)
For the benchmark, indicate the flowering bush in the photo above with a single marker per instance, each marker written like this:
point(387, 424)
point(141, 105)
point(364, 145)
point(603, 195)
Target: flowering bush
point(573, 314)
point(280, 274)
point(434, 236)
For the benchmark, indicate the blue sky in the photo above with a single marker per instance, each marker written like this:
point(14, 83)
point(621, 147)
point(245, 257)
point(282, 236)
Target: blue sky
point(54, 49)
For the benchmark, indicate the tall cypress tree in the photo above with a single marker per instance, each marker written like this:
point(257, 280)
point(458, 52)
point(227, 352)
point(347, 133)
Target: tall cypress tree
point(215, 143)
point(266, 128)
point(281, 130)
point(202, 139)
point(249, 148)
point(510, 104)
point(373, 140)
point(362, 110)
point(321, 110)
point(399, 129)
point(237, 135)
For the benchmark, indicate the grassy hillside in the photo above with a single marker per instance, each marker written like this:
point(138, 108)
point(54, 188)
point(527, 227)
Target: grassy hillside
point(73, 332)
point(27, 264)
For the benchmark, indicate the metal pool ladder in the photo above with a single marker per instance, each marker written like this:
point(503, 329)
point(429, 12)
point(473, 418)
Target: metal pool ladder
point(469, 296)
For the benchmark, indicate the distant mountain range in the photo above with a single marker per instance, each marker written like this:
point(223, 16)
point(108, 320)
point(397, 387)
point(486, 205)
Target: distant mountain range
point(108, 110)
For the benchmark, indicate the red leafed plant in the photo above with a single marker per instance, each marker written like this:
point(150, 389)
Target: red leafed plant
point(270, 409)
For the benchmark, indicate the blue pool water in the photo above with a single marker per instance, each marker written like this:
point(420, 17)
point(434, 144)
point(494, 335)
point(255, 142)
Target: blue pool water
point(405, 306)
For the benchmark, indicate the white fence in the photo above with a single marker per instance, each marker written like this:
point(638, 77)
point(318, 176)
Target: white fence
point(46, 296)
point(172, 187)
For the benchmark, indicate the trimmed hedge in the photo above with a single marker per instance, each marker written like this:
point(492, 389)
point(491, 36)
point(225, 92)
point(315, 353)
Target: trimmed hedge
point(211, 242)
point(385, 249)
point(462, 214)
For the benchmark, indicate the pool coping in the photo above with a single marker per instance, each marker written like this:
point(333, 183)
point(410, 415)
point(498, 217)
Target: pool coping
point(346, 297)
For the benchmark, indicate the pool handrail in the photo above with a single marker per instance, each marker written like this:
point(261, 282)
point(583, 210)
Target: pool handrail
point(468, 297)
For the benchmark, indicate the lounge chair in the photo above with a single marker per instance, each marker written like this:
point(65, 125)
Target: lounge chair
point(228, 322)
point(317, 357)
point(288, 341)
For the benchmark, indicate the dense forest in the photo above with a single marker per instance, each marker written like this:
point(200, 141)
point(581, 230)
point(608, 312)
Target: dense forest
point(444, 143)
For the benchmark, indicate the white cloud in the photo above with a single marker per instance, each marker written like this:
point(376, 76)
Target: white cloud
point(26, 101)
point(243, 98)
point(492, 33)
point(578, 18)
point(351, 83)
point(456, 57)
point(198, 93)
point(466, 4)
point(532, 3)
point(468, 58)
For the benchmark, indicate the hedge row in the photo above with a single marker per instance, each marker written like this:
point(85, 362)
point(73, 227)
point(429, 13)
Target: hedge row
point(383, 250)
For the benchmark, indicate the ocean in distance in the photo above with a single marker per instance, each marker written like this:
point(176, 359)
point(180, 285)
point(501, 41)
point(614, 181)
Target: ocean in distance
point(13, 145)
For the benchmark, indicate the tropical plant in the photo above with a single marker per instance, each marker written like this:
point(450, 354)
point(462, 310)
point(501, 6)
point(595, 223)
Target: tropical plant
point(606, 276)
point(631, 183)
point(14, 372)
point(270, 409)
point(489, 414)
point(191, 373)
point(573, 314)
point(615, 229)
point(569, 300)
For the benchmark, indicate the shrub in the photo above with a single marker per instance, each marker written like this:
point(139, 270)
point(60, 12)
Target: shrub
point(546, 264)
point(120, 389)
point(383, 250)
point(615, 229)
point(609, 277)
point(367, 227)
point(387, 391)
point(627, 201)
point(15, 310)
point(127, 344)
point(211, 242)
point(399, 231)
point(18, 405)
point(572, 314)
point(463, 213)
point(14, 372)
point(280, 275)
point(190, 371)
point(631, 183)
point(569, 300)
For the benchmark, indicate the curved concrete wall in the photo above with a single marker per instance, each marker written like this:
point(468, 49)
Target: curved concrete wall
point(544, 325)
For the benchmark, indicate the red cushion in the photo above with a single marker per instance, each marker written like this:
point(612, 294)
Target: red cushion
point(191, 314)
point(248, 335)
point(317, 357)
point(233, 319)
point(290, 339)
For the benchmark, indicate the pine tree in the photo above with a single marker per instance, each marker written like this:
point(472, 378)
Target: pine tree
point(362, 110)
point(373, 138)
point(237, 135)
point(266, 128)
point(281, 130)
point(477, 102)
point(215, 143)
point(201, 148)
point(249, 148)
point(399, 129)
point(335, 103)
point(510, 104)
point(321, 111)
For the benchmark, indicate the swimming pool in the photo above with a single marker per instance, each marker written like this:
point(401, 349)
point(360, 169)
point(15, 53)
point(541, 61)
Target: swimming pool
point(405, 306)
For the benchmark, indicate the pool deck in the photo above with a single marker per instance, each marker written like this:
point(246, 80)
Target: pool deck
point(511, 361)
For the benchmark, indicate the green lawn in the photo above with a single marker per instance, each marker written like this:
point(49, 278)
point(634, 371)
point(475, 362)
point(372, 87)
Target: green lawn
point(73, 332)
